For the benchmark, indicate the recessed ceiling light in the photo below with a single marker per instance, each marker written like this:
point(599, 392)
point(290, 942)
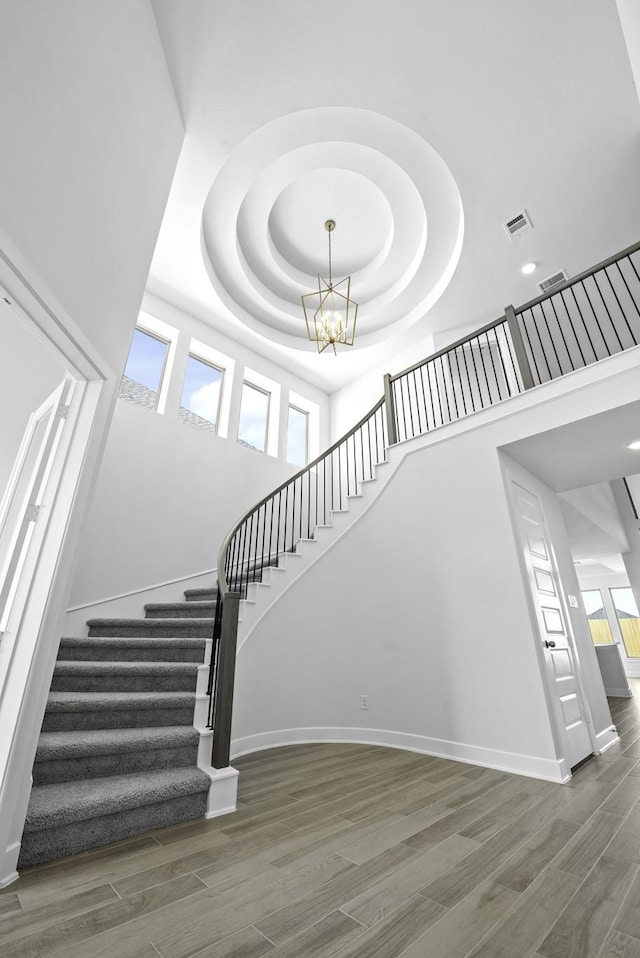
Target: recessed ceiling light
point(634, 445)
point(528, 268)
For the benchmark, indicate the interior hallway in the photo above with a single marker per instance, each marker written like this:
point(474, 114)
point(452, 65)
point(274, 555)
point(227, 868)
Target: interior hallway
point(352, 850)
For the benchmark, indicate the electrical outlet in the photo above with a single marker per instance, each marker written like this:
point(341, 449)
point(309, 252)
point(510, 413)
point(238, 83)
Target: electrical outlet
point(364, 701)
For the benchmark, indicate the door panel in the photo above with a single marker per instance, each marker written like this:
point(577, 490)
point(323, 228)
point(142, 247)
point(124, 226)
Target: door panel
point(560, 663)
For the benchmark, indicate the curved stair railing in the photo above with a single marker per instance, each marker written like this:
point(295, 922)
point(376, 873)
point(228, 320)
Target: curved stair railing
point(272, 528)
point(575, 324)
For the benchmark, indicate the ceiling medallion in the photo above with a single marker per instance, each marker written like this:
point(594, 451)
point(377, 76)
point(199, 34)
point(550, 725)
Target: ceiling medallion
point(329, 312)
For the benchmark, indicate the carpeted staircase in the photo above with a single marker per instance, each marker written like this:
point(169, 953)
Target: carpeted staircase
point(118, 750)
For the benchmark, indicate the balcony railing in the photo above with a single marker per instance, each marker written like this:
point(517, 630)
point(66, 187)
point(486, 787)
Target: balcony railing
point(586, 319)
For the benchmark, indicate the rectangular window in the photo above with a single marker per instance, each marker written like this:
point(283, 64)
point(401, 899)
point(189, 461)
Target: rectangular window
point(297, 436)
point(597, 617)
point(200, 403)
point(628, 619)
point(254, 417)
point(144, 370)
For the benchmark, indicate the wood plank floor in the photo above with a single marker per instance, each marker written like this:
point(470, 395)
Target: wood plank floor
point(362, 852)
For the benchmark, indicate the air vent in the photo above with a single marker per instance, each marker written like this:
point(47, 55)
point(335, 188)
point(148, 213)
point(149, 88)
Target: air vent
point(518, 224)
point(552, 281)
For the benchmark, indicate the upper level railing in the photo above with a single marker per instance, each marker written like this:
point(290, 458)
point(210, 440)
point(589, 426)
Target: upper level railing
point(588, 318)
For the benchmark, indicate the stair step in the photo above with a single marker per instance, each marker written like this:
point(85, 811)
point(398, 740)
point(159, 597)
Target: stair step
point(181, 610)
point(153, 628)
point(81, 754)
point(65, 818)
point(70, 676)
point(201, 595)
point(96, 649)
point(105, 710)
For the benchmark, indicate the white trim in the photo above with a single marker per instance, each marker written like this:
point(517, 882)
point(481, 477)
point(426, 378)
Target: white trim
point(144, 588)
point(551, 770)
point(607, 738)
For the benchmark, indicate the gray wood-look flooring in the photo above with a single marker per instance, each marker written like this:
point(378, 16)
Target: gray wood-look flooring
point(362, 852)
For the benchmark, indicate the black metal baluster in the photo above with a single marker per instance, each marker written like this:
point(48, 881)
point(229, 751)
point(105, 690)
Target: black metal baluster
point(571, 324)
point(445, 390)
point(424, 394)
point(613, 325)
point(552, 300)
point(624, 315)
point(595, 317)
point(631, 296)
point(460, 382)
point(468, 378)
point(472, 353)
point(553, 344)
point(285, 547)
point(493, 365)
point(542, 349)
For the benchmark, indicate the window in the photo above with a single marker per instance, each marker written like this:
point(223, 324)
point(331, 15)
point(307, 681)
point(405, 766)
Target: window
point(597, 617)
point(627, 612)
point(254, 417)
point(297, 436)
point(144, 370)
point(201, 391)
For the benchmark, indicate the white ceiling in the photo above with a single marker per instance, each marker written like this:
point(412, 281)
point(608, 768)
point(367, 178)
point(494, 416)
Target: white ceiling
point(391, 119)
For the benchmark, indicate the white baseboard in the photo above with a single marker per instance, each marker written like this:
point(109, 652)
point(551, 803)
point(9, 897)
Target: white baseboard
point(9, 879)
point(622, 693)
point(551, 770)
point(606, 739)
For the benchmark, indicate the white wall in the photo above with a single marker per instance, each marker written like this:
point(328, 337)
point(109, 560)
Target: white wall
point(90, 138)
point(91, 132)
point(168, 493)
point(421, 605)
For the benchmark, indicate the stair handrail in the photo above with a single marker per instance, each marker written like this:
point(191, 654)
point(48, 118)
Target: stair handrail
point(501, 359)
point(287, 482)
point(249, 547)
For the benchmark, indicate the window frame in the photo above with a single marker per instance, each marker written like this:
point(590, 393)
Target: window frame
point(307, 456)
point(619, 588)
point(162, 331)
point(152, 334)
point(268, 394)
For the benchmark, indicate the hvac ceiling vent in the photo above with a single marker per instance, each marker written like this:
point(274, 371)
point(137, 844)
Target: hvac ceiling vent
point(552, 281)
point(518, 225)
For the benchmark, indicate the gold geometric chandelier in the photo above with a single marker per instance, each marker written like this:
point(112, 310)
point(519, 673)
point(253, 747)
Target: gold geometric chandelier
point(329, 312)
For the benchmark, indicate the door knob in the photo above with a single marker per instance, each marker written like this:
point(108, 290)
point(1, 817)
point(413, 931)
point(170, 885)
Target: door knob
point(550, 645)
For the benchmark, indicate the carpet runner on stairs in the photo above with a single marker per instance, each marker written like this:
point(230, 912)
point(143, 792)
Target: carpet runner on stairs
point(118, 750)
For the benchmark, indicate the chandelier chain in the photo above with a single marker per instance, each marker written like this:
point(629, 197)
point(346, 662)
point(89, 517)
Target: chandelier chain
point(329, 259)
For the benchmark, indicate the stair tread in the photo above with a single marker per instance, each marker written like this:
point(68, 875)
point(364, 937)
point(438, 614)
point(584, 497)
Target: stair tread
point(78, 742)
point(152, 623)
point(104, 667)
point(195, 604)
point(136, 641)
point(82, 701)
point(69, 802)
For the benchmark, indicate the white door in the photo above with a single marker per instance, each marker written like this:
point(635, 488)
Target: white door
point(557, 642)
point(24, 500)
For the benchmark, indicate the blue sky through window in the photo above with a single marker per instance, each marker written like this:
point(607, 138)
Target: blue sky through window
point(254, 416)
point(201, 389)
point(146, 360)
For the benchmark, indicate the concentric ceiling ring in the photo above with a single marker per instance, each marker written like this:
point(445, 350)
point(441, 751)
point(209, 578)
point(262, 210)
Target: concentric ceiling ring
point(398, 212)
